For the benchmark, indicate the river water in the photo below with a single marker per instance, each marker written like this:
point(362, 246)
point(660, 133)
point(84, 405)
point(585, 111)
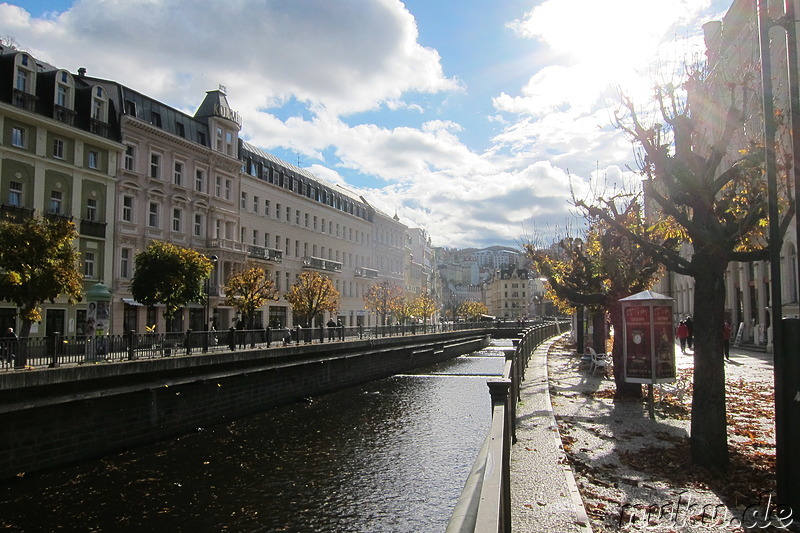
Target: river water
point(388, 456)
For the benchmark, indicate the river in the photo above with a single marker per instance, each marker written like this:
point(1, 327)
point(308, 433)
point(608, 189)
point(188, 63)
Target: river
point(386, 457)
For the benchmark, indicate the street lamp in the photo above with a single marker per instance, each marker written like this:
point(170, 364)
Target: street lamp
point(213, 260)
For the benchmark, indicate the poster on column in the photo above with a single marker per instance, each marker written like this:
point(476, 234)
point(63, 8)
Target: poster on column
point(638, 358)
point(663, 333)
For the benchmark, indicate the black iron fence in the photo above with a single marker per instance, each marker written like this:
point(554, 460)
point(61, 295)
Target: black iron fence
point(57, 349)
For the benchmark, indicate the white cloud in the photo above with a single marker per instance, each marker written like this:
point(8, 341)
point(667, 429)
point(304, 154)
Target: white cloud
point(297, 70)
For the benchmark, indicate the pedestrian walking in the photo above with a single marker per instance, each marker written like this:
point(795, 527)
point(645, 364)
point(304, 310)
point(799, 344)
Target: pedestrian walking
point(340, 325)
point(10, 341)
point(726, 339)
point(331, 329)
point(690, 327)
point(683, 334)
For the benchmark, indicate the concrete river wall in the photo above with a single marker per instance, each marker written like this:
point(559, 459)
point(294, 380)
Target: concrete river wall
point(54, 416)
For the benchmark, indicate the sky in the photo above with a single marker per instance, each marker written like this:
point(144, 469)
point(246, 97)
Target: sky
point(476, 120)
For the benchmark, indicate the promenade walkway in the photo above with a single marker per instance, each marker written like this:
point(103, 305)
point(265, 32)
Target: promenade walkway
point(544, 495)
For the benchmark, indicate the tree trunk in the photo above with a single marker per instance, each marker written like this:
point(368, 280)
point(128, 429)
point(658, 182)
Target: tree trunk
point(709, 444)
point(623, 389)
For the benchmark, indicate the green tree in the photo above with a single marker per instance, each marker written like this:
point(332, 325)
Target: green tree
point(170, 275)
point(249, 289)
point(384, 298)
point(38, 263)
point(710, 193)
point(311, 295)
point(470, 309)
point(424, 306)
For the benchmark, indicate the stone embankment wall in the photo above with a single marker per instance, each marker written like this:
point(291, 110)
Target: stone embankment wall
point(55, 416)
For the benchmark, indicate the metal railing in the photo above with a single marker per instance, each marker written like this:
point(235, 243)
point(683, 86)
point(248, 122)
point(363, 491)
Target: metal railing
point(485, 502)
point(56, 349)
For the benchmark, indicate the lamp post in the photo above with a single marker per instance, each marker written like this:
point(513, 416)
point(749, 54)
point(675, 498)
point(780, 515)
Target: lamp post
point(786, 368)
point(213, 260)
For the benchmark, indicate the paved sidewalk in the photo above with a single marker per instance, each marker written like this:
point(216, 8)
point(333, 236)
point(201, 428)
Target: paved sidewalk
point(544, 495)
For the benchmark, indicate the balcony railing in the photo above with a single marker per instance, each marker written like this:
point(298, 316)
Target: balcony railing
point(322, 264)
point(64, 114)
point(92, 228)
point(98, 127)
point(57, 216)
point(268, 254)
point(227, 244)
point(24, 100)
point(369, 273)
point(15, 213)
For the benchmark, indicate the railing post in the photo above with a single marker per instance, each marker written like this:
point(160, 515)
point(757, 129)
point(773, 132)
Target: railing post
point(131, 336)
point(53, 348)
point(187, 342)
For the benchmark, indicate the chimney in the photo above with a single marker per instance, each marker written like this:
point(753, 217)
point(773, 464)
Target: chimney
point(82, 71)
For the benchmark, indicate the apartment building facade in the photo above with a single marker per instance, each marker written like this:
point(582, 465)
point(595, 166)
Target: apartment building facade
point(59, 150)
point(137, 170)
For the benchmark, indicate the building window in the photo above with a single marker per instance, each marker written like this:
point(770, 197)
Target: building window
point(218, 187)
point(61, 95)
point(15, 193)
point(91, 210)
point(199, 180)
point(127, 208)
point(155, 118)
point(181, 130)
point(58, 148)
point(243, 202)
point(228, 186)
point(152, 219)
point(198, 225)
point(155, 166)
point(177, 219)
point(288, 214)
point(130, 152)
point(56, 200)
point(255, 237)
point(94, 159)
point(88, 264)
point(297, 217)
point(178, 175)
point(256, 201)
point(125, 263)
point(22, 80)
point(266, 207)
point(218, 229)
point(18, 137)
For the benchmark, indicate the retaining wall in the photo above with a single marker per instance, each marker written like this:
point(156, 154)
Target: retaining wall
point(50, 417)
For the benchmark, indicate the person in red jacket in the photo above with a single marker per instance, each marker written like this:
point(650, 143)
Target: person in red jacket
point(726, 339)
point(683, 334)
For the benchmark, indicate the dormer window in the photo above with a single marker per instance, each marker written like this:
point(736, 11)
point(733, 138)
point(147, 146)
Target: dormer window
point(22, 80)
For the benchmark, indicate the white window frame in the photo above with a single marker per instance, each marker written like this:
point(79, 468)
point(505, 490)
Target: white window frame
point(127, 208)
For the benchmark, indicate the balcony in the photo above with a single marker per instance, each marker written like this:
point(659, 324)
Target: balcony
point(56, 217)
point(64, 114)
point(268, 254)
point(24, 100)
point(227, 244)
point(368, 273)
point(318, 263)
point(15, 213)
point(92, 228)
point(98, 127)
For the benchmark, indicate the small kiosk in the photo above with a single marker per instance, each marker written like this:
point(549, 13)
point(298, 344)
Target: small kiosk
point(649, 340)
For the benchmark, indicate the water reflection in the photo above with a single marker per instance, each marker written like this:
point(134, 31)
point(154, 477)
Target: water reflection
point(390, 456)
